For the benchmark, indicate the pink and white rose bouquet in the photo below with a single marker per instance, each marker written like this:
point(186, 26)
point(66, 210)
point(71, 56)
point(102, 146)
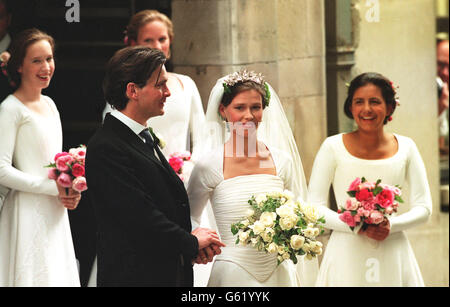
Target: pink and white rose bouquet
point(369, 203)
point(68, 169)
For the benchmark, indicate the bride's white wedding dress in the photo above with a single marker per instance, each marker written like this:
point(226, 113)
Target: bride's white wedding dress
point(36, 246)
point(239, 265)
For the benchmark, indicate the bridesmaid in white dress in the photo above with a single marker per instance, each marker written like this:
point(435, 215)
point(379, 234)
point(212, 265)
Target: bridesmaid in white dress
point(180, 126)
point(36, 246)
point(229, 174)
point(382, 255)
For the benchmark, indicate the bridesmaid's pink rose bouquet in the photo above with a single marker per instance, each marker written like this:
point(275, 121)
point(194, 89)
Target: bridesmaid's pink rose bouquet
point(369, 203)
point(181, 164)
point(68, 169)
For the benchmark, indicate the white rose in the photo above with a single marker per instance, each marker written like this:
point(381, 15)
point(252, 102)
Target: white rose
point(245, 222)
point(308, 232)
point(297, 242)
point(272, 248)
point(258, 227)
point(285, 211)
point(268, 218)
point(260, 198)
point(254, 241)
point(309, 256)
point(311, 212)
point(286, 256)
point(288, 194)
point(316, 232)
point(249, 212)
point(287, 223)
point(243, 236)
point(306, 247)
point(274, 194)
point(281, 249)
point(317, 247)
point(267, 234)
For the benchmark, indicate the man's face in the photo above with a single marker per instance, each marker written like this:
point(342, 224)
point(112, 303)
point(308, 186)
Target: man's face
point(5, 20)
point(442, 60)
point(152, 96)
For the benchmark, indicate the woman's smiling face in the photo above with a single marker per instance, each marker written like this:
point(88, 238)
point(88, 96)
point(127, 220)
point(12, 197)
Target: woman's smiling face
point(369, 109)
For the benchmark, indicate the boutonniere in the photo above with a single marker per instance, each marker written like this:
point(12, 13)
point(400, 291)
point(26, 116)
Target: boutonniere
point(157, 138)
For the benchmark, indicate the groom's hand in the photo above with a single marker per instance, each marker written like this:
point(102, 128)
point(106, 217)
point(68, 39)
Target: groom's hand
point(207, 237)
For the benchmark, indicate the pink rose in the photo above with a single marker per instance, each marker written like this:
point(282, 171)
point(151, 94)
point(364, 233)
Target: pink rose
point(64, 180)
point(53, 173)
point(60, 155)
point(354, 186)
point(363, 195)
point(78, 153)
point(363, 212)
point(79, 184)
point(347, 218)
point(185, 155)
point(385, 198)
point(367, 185)
point(376, 217)
point(77, 170)
point(369, 204)
point(389, 210)
point(63, 162)
point(351, 204)
point(397, 191)
point(176, 163)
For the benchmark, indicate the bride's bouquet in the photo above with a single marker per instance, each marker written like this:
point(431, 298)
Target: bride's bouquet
point(369, 203)
point(276, 223)
point(68, 169)
point(181, 164)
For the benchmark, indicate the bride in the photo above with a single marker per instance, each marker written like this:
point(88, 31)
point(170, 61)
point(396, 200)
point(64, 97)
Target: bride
point(249, 149)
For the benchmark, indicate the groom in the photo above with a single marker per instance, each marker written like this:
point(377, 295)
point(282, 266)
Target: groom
point(141, 205)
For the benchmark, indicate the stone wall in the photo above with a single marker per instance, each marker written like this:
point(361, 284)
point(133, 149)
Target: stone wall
point(282, 39)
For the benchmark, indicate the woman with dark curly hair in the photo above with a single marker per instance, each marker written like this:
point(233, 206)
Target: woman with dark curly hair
point(381, 254)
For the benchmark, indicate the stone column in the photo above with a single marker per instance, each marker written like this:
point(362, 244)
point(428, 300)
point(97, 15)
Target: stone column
point(283, 39)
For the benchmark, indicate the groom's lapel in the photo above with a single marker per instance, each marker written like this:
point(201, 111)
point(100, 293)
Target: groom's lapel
point(134, 141)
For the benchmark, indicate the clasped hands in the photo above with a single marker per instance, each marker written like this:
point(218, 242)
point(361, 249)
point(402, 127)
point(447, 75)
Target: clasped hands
point(377, 232)
point(69, 199)
point(209, 245)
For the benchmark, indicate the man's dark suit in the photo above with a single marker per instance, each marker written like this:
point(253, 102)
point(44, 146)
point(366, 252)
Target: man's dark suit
point(142, 211)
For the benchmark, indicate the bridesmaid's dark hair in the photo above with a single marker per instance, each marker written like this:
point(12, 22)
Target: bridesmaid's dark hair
point(130, 64)
point(380, 81)
point(19, 47)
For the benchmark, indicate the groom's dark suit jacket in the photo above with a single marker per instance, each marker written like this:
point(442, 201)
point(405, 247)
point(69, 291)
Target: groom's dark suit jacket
point(142, 211)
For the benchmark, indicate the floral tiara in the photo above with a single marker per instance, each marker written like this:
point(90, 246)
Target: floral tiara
point(244, 76)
